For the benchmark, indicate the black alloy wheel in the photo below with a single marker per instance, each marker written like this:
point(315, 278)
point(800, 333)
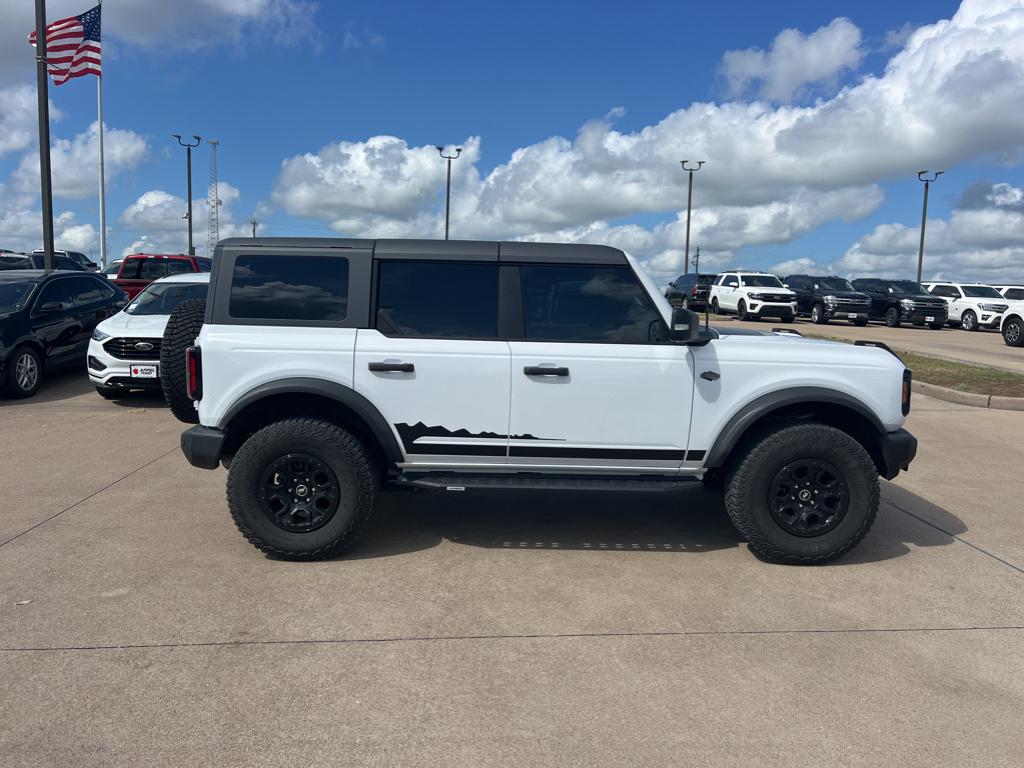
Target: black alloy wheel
point(299, 492)
point(741, 311)
point(892, 317)
point(1013, 332)
point(715, 309)
point(808, 497)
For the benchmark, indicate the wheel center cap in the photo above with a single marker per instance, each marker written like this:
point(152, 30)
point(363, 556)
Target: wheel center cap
point(805, 495)
point(301, 490)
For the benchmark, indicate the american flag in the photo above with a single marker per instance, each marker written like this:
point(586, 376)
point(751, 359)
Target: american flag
point(73, 46)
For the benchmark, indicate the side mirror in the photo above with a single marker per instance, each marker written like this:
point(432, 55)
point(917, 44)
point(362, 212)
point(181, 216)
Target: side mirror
point(685, 327)
point(51, 306)
point(785, 285)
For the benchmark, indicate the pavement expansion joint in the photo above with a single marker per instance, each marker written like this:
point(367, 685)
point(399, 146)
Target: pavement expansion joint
point(538, 636)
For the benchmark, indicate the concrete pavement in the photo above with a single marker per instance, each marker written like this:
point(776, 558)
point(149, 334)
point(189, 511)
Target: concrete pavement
point(984, 347)
point(469, 629)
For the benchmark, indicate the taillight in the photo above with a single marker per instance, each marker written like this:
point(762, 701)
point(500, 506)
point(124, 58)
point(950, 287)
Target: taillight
point(907, 376)
point(194, 373)
point(694, 292)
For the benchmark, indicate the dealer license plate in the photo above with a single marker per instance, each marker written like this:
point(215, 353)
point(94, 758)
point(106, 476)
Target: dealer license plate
point(148, 371)
point(929, 319)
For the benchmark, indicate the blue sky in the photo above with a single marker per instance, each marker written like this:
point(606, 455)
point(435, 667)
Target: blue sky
point(298, 77)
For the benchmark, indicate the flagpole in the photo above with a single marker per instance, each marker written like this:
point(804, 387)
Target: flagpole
point(45, 194)
point(103, 186)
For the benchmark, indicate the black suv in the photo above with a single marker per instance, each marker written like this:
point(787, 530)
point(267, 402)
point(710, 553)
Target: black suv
point(78, 257)
point(690, 291)
point(901, 301)
point(828, 298)
point(46, 320)
point(38, 261)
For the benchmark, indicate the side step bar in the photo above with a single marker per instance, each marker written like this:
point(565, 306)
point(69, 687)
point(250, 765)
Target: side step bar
point(524, 482)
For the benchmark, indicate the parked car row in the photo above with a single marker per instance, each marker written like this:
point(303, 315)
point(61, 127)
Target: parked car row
point(57, 319)
point(751, 295)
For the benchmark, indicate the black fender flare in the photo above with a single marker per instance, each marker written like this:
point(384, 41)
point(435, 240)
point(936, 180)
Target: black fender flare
point(332, 390)
point(742, 420)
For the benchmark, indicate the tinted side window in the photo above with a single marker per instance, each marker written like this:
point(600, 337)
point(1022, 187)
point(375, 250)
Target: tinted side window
point(56, 290)
point(152, 269)
point(580, 303)
point(205, 265)
point(131, 269)
point(290, 288)
point(947, 291)
point(437, 298)
point(178, 267)
point(87, 290)
point(1014, 294)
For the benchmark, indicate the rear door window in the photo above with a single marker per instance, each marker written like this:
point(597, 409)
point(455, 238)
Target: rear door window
point(286, 287)
point(87, 290)
point(56, 291)
point(438, 299)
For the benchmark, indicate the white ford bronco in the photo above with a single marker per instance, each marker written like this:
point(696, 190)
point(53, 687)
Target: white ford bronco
point(319, 369)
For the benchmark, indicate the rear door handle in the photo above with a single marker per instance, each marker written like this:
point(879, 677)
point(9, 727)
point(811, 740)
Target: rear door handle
point(542, 370)
point(392, 367)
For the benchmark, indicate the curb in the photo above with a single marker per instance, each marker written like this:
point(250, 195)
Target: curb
point(969, 398)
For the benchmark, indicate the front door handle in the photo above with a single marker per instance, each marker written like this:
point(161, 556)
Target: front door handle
point(710, 376)
point(392, 367)
point(541, 370)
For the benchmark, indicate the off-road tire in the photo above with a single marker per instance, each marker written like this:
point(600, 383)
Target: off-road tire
point(11, 385)
point(860, 322)
point(1013, 332)
point(892, 317)
point(347, 458)
point(750, 476)
point(818, 315)
point(969, 321)
point(180, 333)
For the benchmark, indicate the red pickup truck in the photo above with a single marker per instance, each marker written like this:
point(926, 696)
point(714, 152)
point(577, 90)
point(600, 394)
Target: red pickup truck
point(140, 269)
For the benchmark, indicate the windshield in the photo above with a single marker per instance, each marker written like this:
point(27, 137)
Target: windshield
point(906, 286)
point(14, 295)
point(980, 292)
point(162, 298)
point(834, 284)
point(762, 281)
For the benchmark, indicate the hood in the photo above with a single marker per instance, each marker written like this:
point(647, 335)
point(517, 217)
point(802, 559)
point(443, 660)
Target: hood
point(841, 294)
point(123, 324)
point(929, 299)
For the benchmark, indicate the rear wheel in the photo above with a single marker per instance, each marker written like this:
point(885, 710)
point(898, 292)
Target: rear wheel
point(969, 321)
point(301, 489)
point(804, 494)
point(182, 328)
point(1013, 332)
point(892, 317)
point(24, 373)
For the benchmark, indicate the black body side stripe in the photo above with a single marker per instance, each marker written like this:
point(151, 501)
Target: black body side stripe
point(695, 455)
point(597, 453)
point(450, 449)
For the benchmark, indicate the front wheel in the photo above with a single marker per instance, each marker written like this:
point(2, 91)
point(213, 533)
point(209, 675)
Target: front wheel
point(24, 373)
point(818, 314)
point(1013, 332)
point(803, 495)
point(301, 489)
point(969, 321)
point(741, 311)
point(892, 317)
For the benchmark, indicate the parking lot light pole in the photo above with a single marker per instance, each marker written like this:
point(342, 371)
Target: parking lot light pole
point(188, 173)
point(696, 261)
point(448, 189)
point(689, 208)
point(923, 176)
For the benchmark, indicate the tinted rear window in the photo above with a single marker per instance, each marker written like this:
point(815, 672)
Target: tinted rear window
point(270, 287)
point(438, 298)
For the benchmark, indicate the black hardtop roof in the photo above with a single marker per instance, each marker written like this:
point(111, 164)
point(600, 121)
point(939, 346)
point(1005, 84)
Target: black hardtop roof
point(801, 274)
point(448, 250)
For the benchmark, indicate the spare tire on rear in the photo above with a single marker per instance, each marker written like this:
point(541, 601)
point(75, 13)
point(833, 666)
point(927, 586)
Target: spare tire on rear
point(182, 328)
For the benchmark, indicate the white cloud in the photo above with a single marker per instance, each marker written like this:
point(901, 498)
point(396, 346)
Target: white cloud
point(74, 162)
point(19, 126)
point(193, 25)
point(975, 243)
point(773, 172)
point(157, 223)
point(794, 62)
point(803, 265)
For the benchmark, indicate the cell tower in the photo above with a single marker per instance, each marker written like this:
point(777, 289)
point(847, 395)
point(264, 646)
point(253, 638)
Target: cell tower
point(212, 202)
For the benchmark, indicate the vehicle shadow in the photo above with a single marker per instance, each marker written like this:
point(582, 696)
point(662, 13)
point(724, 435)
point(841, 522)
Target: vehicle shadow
point(141, 398)
point(58, 385)
point(683, 522)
